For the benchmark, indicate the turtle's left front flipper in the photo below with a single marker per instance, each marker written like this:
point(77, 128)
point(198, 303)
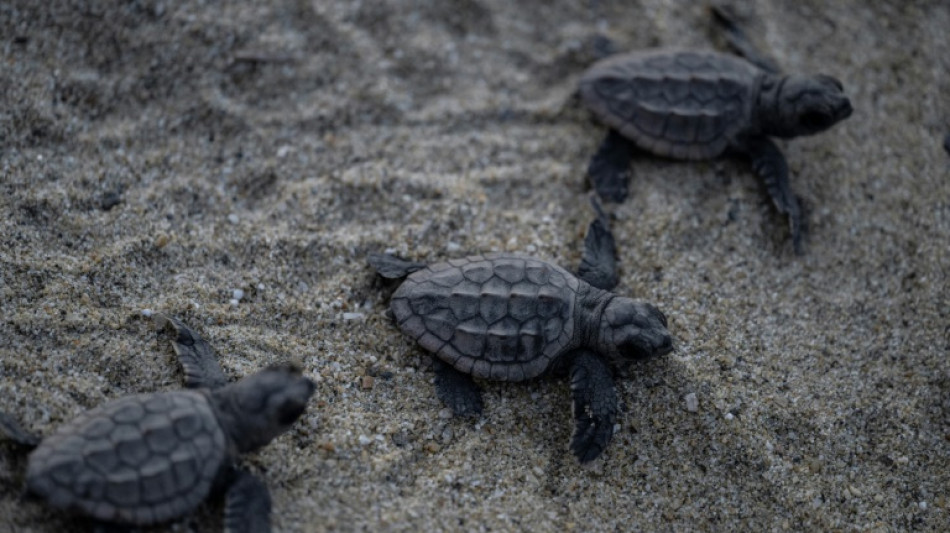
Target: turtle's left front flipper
point(12, 430)
point(248, 505)
point(196, 356)
point(595, 405)
point(599, 262)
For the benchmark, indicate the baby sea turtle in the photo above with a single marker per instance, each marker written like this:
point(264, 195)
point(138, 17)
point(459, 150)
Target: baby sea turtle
point(150, 458)
point(692, 104)
point(512, 318)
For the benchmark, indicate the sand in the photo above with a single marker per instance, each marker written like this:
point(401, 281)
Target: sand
point(162, 155)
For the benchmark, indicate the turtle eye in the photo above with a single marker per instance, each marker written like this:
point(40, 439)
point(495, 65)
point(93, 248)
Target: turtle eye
point(834, 81)
point(652, 311)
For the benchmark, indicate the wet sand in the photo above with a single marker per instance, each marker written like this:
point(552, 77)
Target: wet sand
point(160, 157)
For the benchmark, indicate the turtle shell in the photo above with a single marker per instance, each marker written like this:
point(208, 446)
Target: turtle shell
point(138, 460)
point(497, 316)
point(681, 104)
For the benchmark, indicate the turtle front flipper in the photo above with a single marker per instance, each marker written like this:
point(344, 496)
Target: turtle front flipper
point(599, 262)
point(12, 430)
point(248, 505)
point(769, 164)
point(737, 39)
point(391, 267)
point(595, 405)
point(196, 356)
point(457, 390)
point(609, 169)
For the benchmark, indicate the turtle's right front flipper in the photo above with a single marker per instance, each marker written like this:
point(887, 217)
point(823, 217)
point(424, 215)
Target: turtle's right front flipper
point(595, 405)
point(457, 390)
point(769, 164)
point(196, 356)
point(609, 169)
point(12, 430)
point(391, 267)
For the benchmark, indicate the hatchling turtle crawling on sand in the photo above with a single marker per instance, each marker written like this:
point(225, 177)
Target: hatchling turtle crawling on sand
point(150, 458)
point(512, 318)
point(692, 104)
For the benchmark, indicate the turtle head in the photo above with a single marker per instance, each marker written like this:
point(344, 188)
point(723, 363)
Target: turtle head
point(260, 407)
point(631, 330)
point(806, 105)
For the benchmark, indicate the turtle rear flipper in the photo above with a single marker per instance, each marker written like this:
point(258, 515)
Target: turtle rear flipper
point(12, 430)
point(599, 262)
point(457, 390)
point(196, 356)
point(609, 169)
point(391, 267)
point(595, 405)
point(248, 505)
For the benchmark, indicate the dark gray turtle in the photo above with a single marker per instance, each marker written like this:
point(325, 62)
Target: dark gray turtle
point(690, 104)
point(149, 458)
point(512, 318)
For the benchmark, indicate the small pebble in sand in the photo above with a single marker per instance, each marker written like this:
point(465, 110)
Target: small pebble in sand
point(352, 316)
point(692, 402)
point(237, 294)
point(233, 218)
point(729, 416)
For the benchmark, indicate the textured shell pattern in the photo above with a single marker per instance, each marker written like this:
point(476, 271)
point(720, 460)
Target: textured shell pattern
point(497, 316)
point(680, 104)
point(140, 460)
